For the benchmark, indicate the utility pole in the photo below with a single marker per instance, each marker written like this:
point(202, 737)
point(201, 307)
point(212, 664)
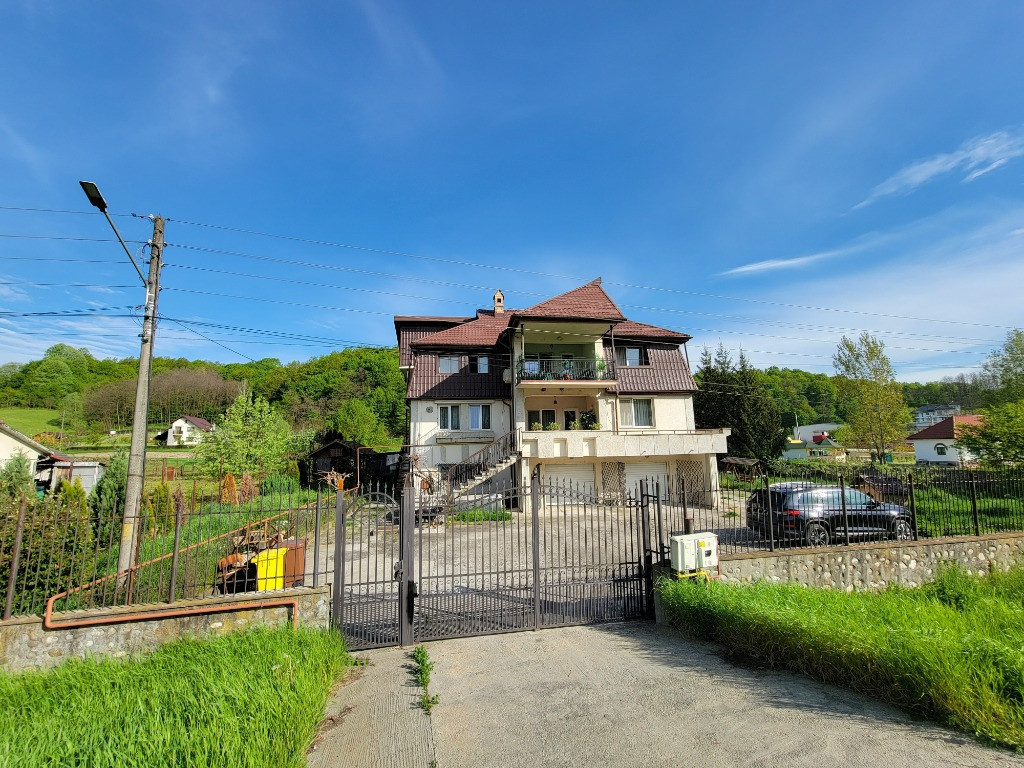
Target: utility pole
point(137, 452)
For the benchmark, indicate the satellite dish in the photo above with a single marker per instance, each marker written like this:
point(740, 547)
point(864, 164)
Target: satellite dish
point(506, 376)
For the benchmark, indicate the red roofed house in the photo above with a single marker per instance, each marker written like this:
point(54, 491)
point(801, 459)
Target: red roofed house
point(937, 444)
point(568, 385)
point(188, 430)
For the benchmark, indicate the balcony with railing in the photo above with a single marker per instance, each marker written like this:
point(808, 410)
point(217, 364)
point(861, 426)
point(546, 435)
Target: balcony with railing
point(539, 370)
point(605, 442)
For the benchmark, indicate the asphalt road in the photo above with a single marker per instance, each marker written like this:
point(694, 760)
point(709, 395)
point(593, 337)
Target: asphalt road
point(630, 694)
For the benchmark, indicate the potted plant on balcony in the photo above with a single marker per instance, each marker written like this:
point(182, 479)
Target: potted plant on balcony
point(599, 366)
point(567, 369)
point(576, 424)
point(536, 426)
point(552, 426)
point(588, 420)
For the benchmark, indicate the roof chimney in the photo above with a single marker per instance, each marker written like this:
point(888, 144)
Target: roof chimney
point(499, 302)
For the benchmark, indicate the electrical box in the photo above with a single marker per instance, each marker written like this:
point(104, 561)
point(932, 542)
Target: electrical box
point(693, 551)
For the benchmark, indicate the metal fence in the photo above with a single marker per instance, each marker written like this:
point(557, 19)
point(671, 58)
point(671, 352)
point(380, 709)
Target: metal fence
point(804, 505)
point(61, 550)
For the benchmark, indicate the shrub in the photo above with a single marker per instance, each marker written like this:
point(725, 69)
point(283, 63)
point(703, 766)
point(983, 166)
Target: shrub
point(158, 510)
point(16, 479)
point(229, 491)
point(247, 489)
point(279, 485)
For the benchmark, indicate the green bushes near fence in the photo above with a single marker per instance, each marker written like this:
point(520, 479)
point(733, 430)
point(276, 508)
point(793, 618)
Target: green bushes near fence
point(950, 651)
point(249, 699)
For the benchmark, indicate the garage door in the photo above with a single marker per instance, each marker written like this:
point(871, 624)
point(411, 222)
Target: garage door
point(578, 478)
point(651, 471)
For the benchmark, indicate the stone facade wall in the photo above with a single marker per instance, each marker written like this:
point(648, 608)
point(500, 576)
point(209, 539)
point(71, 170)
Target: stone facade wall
point(875, 565)
point(26, 644)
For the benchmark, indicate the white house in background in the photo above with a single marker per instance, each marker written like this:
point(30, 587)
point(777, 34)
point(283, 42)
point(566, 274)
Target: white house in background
point(187, 430)
point(937, 444)
point(807, 432)
point(927, 415)
point(47, 465)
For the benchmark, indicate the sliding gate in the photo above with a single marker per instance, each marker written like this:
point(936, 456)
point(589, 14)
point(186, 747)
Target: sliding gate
point(412, 567)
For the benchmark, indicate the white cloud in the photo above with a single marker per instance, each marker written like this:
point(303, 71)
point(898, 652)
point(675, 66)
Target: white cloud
point(773, 264)
point(977, 156)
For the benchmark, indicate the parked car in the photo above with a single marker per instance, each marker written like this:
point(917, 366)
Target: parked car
point(813, 514)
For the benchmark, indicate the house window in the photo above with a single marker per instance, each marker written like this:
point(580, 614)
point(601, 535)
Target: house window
point(638, 412)
point(448, 364)
point(542, 417)
point(531, 366)
point(448, 417)
point(940, 449)
point(631, 356)
point(480, 416)
point(479, 364)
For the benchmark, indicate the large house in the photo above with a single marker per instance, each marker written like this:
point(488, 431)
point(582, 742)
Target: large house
point(937, 444)
point(48, 466)
point(570, 386)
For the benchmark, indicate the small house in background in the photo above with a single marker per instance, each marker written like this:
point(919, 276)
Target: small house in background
point(814, 442)
point(937, 444)
point(187, 430)
point(48, 466)
point(361, 464)
point(927, 415)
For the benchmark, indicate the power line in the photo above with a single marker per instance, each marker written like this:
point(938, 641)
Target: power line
point(68, 238)
point(520, 270)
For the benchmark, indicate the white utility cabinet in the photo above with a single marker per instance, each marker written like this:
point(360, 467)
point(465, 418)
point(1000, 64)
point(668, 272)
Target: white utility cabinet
point(693, 551)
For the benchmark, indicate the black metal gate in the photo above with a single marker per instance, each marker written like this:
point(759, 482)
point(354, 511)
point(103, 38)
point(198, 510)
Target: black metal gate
point(418, 568)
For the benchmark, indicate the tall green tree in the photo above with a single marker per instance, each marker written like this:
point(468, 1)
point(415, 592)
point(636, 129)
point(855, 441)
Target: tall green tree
point(876, 414)
point(251, 437)
point(1006, 367)
point(1000, 437)
point(738, 396)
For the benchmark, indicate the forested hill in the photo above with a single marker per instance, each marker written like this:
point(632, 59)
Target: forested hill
point(360, 388)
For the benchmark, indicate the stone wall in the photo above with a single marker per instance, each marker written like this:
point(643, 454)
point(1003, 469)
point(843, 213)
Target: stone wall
point(875, 565)
point(26, 644)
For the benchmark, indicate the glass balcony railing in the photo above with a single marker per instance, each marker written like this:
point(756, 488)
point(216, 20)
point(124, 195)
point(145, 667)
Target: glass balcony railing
point(557, 369)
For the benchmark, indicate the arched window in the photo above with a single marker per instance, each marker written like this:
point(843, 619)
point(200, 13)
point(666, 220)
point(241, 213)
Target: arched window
point(940, 449)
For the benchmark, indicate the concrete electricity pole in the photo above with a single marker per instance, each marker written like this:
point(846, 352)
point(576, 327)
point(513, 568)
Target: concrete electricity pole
point(137, 451)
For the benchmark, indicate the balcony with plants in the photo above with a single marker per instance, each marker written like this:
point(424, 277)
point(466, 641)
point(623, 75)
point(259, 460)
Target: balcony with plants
point(535, 370)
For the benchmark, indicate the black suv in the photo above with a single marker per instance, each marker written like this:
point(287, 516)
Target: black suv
point(813, 514)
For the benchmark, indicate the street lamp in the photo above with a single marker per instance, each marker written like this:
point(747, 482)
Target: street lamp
point(137, 451)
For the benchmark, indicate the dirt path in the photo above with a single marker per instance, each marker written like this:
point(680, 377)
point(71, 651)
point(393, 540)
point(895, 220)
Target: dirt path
point(626, 695)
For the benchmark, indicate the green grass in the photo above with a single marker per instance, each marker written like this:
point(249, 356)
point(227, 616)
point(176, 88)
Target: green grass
point(480, 516)
point(952, 651)
point(32, 421)
point(422, 666)
point(249, 700)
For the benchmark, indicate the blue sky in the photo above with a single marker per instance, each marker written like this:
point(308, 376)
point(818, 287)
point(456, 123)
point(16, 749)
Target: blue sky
point(765, 175)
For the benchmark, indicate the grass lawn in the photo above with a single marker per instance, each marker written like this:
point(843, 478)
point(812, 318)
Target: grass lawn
point(952, 651)
point(32, 421)
point(250, 700)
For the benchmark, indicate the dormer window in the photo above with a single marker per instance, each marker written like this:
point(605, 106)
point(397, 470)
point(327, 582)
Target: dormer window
point(631, 356)
point(448, 364)
point(940, 449)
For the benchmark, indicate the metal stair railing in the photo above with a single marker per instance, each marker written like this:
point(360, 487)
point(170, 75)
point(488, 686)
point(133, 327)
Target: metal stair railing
point(486, 459)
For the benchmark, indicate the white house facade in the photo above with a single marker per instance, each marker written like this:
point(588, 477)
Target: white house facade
point(568, 388)
point(937, 444)
point(188, 430)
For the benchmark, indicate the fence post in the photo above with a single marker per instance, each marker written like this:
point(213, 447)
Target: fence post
point(974, 504)
point(338, 601)
point(662, 549)
point(175, 553)
point(846, 515)
point(771, 513)
point(316, 540)
point(913, 504)
point(15, 555)
point(647, 564)
point(403, 572)
point(535, 508)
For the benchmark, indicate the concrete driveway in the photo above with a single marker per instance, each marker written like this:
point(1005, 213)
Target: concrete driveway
point(631, 694)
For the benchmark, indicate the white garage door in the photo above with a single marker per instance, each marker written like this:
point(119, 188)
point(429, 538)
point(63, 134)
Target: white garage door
point(651, 471)
point(577, 478)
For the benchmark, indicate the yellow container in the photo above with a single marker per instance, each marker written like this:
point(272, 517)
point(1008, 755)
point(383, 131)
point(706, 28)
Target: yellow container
point(270, 568)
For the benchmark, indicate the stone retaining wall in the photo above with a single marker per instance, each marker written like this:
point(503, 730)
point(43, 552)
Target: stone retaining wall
point(875, 565)
point(26, 644)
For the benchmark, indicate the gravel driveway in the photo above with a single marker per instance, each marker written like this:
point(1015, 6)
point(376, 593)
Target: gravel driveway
point(632, 694)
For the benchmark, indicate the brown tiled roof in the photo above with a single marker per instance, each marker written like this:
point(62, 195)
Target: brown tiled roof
point(429, 319)
point(482, 332)
point(629, 329)
point(945, 429)
point(666, 373)
point(588, 302)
